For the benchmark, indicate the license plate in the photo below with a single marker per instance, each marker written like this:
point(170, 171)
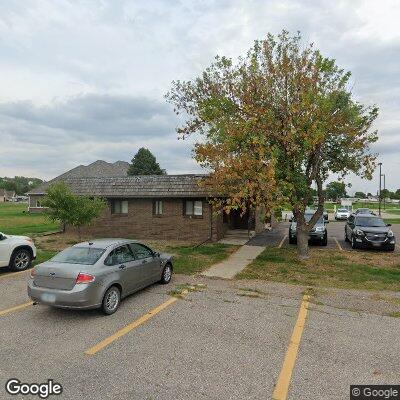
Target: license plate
point(48, 297)
point(376, 244)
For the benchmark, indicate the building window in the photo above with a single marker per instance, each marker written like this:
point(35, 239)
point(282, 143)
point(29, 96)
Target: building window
point(194, 208)
point(158, 207)
point(38, 204)
point(119, 207)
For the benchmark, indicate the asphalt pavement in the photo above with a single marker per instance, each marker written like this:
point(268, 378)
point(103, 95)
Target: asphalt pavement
point(227, 341)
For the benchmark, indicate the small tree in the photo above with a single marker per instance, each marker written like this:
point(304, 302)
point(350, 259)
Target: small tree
point(279, 120)
point(144, 163)
point(335, 190)
point(62, 205)
point(360, 195)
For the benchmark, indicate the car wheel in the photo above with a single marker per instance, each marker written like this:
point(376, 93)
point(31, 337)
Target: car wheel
point(166, 275)
point(20, 260)
point(353, 242)
point(391, 248)
point(346, 239)
point(111, 300)
point(324, 241)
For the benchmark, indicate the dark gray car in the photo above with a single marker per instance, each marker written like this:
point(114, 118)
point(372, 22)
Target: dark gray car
point(367, 230)
point(98, 274)
point(318, 232)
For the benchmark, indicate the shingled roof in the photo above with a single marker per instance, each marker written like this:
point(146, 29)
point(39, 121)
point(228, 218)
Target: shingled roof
point(134, 186)
point(97, 169)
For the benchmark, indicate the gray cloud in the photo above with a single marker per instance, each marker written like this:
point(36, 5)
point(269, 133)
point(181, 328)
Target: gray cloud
point(82, 81)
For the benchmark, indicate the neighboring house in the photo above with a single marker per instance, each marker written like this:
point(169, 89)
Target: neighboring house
point(153, 207)
point(6, 195)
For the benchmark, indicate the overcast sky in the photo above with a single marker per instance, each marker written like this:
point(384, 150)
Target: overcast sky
point(84, 80)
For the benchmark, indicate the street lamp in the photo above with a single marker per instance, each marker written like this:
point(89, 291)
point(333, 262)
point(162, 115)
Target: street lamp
point(384, 188)
point(380, 186)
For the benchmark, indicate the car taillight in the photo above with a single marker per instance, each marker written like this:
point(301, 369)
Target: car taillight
point(84, 278)
point(32, 273)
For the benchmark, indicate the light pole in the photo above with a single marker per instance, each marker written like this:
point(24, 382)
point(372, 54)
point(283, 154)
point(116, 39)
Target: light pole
point(384, 188)
point(380, 186)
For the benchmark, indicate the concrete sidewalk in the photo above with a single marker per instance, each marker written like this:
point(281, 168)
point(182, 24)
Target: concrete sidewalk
point(236, 263)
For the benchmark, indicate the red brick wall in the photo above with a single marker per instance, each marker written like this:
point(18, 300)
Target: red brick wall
point(142, 224)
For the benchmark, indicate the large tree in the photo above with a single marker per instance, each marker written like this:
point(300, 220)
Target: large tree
point(144, 163)
point(280, 119)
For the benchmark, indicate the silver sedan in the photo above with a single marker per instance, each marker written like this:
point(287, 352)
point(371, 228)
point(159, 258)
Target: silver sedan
point(98, 274)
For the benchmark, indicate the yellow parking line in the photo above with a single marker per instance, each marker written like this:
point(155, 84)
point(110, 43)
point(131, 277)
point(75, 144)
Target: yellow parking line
point(282, 241)
point(100, 346)
point(282, 385)
point(338, 244)
point(16, 308)
point(13, 274)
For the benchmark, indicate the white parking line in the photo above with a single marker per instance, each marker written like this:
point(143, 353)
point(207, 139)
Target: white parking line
point(282, 241)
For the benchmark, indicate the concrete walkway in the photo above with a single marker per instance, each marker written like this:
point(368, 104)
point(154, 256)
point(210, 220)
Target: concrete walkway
point(236, 263)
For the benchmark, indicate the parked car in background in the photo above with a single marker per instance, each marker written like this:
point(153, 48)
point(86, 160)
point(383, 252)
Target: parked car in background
point(16, 252)
point(342, 214)
point(98, 274)
point(366, 230)
point(318, 233)
point(364, 211)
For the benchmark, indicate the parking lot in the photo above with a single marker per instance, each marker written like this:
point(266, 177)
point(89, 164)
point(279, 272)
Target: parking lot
point(226, 341)
point(335, 236)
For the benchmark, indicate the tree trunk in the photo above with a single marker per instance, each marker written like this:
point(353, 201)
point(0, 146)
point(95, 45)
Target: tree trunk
point(302, 242)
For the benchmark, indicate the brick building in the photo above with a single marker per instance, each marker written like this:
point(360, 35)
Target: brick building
point(151, 207)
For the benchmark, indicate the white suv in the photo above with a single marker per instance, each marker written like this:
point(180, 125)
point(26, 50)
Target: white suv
point(16, 252)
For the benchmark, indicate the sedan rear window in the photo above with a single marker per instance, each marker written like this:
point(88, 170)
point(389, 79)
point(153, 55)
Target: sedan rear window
point(79, 255)
point(370, 221)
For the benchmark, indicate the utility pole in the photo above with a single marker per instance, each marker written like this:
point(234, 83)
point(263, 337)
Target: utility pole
point(380, 186)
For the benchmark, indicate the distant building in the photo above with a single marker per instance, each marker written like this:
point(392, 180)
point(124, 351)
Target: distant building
point(6, 195)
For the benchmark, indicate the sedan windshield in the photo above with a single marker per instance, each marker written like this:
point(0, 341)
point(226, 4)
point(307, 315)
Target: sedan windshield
point(79, 255)
point(370, 221)
point(343, 210)
point(309, 216)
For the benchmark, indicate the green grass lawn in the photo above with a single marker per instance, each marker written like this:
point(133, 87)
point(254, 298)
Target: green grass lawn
point(15, 220)
point(375, 206)
point(328, 268)
point(188, 259)
point(392, 220)
point(192, 260)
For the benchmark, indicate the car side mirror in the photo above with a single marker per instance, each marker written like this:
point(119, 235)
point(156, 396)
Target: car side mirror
point(2, 237)
point(327, 221)
point(388, 224)
point(290, 219)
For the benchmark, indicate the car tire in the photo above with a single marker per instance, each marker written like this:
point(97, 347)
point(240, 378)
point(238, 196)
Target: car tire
point(111, 300)
point(292, 240)
point(324, 241)
point(166, 275)
point(353, 243)
point(391, 248)
point(21, 259)
point(346, 239)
